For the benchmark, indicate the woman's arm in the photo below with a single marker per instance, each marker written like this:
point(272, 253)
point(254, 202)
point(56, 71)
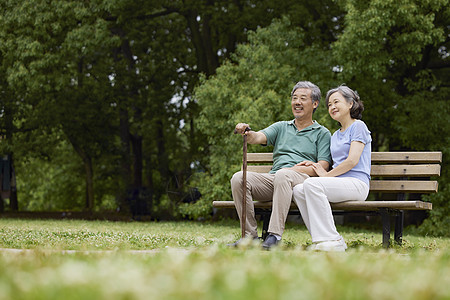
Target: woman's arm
point(356, 149)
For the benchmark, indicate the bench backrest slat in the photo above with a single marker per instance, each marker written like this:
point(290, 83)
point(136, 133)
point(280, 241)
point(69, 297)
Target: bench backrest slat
point(406, 170)
point(260, 157)
point(377, 157)
point(406, 186)
point(259, 169)
point(380, 170)
point(406, 157)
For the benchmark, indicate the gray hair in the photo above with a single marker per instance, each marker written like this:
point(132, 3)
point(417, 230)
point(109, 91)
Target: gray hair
point(351, 97)
point(315, 91)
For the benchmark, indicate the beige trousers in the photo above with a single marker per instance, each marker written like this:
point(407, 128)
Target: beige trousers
point(266, 187)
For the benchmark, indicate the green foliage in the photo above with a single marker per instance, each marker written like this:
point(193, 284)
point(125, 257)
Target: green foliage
point(56, 189)
point(438, 222)
point(40, 190)
point(116, 77)
point(381, 36)
point(430, 133)
point(54, 62)
point(395, 54)
point(254, 88)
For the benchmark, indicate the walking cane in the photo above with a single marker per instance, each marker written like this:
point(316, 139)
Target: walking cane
point(244, 182)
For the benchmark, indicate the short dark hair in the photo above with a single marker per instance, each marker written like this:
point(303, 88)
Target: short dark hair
point(315, 91)
point(351, 97)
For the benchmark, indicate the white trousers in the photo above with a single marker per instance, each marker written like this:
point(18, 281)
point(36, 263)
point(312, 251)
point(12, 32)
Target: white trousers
point(313, 198)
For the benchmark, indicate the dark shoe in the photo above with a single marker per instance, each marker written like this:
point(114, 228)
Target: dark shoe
point(240, 241)
point(270, 241)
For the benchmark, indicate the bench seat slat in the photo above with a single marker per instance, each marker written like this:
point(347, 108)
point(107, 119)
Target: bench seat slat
point(349, 205)
point(367, 205)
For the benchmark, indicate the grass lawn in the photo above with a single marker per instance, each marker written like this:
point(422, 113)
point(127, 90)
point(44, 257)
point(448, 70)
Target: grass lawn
point(190, 260)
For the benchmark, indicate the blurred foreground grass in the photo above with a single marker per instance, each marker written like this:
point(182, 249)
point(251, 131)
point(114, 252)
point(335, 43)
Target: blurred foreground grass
point(188, 260)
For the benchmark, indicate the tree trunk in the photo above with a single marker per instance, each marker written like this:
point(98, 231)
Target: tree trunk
point(163, 164)
point(149, 170)
point(207, 60)
point(137, 160)
point(126, 135)
point(89, 184)
point(125, 162)
point(13, 203)
point(89, 179)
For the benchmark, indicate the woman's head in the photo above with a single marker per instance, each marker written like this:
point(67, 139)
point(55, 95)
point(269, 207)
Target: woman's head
point(351, 97)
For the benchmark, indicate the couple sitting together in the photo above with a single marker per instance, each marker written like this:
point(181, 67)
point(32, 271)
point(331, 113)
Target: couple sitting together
point(310, 166)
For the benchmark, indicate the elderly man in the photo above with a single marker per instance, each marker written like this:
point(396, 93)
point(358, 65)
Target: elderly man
point(300, 139)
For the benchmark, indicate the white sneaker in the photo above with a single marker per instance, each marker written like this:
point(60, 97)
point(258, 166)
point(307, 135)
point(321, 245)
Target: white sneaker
point(311, 247)
point(331, 246)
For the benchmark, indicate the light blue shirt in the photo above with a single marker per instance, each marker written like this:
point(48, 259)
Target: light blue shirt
point(340, 148)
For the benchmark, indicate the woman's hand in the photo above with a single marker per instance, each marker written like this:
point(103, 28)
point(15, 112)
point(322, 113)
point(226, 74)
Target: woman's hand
point(305, 163)
point(320, 171)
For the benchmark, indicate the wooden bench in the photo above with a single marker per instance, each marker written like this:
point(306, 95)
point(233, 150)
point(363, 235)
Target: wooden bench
point(405, 175)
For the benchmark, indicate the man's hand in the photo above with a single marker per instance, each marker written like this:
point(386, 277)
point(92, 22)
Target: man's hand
point(303, 169)
point(306, 163)
point(241, 128)
point(307, 167)
point(253, 136)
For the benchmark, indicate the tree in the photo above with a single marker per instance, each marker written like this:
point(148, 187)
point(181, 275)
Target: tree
point(170, 43)
point(390, 50)
point(395, 53)
point(255, 88)
point(55, 64)
point(135, 61)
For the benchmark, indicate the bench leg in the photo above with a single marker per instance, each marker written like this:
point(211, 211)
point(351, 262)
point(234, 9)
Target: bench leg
point(266, 219)
point(385, 219)
point(398, 234)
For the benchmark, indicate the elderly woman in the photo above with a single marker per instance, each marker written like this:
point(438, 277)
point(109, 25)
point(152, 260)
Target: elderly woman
point(347, 180)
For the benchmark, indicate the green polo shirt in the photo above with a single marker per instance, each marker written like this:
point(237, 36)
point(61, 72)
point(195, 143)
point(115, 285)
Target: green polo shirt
point(292, 146)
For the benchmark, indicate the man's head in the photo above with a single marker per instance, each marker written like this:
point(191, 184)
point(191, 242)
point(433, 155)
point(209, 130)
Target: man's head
point(305, 98)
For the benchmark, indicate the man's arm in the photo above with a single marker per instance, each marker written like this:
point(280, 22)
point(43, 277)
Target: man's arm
point(253, 137)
